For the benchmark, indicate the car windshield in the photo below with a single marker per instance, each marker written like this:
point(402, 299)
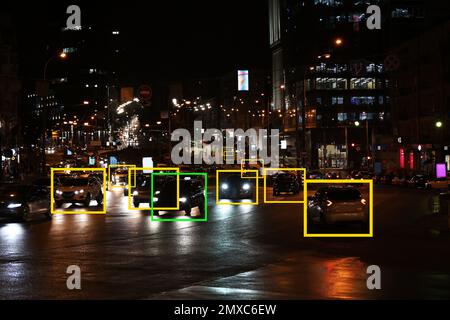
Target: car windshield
point(343, 194)
point(74, 182)
point(286, 177)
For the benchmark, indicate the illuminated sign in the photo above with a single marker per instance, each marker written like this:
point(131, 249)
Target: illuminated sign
point(402, 159)
point(243, 80)
point(147, 162)
point(441, 170)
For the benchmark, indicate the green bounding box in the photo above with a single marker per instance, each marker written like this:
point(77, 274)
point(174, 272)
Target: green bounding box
point(178, 174)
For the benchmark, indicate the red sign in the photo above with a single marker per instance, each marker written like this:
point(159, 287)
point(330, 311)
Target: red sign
point(145, 93)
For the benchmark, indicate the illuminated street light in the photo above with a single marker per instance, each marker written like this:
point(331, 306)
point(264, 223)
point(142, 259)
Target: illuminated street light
point(438, 124)
point(63, 55)
point(338, 41)
point(357, 123)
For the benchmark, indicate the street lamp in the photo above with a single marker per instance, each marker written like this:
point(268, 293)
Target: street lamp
point(61, 55)
point(357, 123)
point(338, 41)
point(438, 124)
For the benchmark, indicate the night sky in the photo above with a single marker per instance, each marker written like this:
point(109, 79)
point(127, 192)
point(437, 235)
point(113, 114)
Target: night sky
point(169, 39)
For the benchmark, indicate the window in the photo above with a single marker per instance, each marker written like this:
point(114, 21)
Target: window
point(362, 100)
point(328, 3)
point(365, 83)
point(331, 83)
point(337, 100)
point(342, 116)
point(400, 13)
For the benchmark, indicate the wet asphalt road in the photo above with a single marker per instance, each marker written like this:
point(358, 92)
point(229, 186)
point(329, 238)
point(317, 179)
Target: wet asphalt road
point(241, 252)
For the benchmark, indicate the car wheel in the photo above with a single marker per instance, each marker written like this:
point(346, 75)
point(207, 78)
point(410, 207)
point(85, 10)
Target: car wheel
point(156, 212)
point(100, 199)
point(136, 204)
point(58, 204)
point(188, 210)
point(49, 215)
point(25, 214)
point(201, 208)
point(276, 193)
point(87, 202)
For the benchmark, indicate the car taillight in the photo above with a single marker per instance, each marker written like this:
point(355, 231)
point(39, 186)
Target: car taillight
point(363, 201)
point(329, 203)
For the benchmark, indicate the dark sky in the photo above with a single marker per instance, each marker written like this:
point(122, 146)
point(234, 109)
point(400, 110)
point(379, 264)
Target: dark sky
point(171, 39)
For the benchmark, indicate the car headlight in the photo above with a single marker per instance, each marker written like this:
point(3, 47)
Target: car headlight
point(183, 199)
point(59, 192)
point(246, 186)
point(79, 191)
point(157, 192)
point(155, 199)
point(14, 205)
point(135, 193)
point(224, 186)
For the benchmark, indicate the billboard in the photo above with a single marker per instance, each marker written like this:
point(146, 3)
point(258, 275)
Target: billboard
point(243, 84)
point(441, 170)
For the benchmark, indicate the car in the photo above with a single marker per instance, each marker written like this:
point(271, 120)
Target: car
point(235, 187)
point(192, 194)
point(141, 192)
point(399, 181)
point(78, 189)
point(333, 204)
point(333, 175)
point(285, 182)
point(440, 183)
point(386, 179)
point(119, 177)
point(418, 181)
point(366, 175)
point(316, 175)
point(22, 202)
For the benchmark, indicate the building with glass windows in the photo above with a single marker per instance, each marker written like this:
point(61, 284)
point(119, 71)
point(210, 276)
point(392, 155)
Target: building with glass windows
point(331, 77)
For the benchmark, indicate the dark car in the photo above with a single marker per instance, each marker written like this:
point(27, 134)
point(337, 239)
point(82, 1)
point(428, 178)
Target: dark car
point(21, 202)
point(418, 181)
point(285, 182)
point(235, 187)
point(192, 194)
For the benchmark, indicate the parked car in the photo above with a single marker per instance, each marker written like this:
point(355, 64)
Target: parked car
point(315, 175)
point(387, 179)
point(418, 181)
point(333, 204)
point(440, 183)
point(78, 189)
point(333, 175)
point(287, 183)
point(192, 194)
point(399, 181)
point(22, 202)
point(235, 187)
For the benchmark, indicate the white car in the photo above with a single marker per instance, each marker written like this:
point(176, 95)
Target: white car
point(441, 183)
point(338, 204)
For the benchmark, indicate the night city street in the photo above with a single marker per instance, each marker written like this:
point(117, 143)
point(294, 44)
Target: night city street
point(246, 252)
point(218, 159)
